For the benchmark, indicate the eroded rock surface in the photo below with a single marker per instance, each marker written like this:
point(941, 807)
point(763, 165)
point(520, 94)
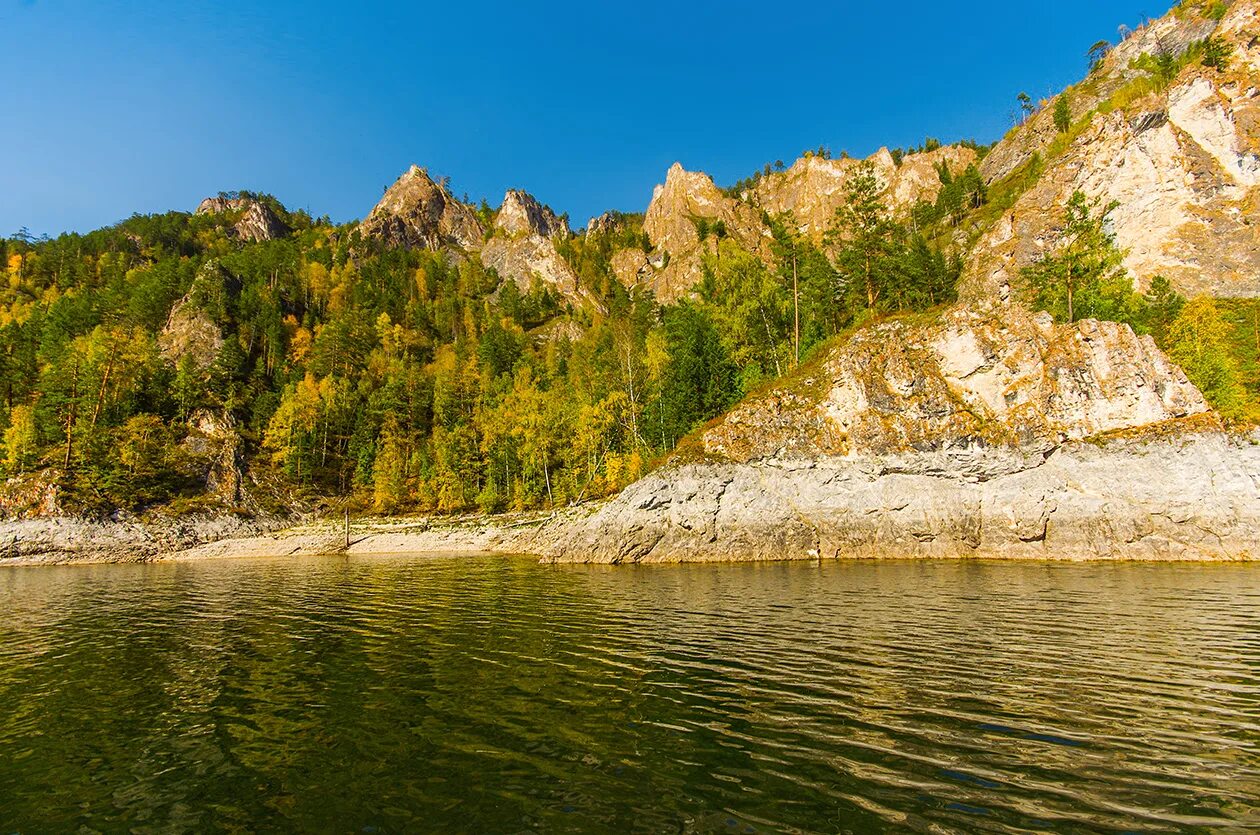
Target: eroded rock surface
point(419, 213)
point(1196, 498)
point(997, 378)
point(675, 264)
point(523, 248)
point(813, 188)
point(980, 434)
point(257, 221)
point(1182, 167)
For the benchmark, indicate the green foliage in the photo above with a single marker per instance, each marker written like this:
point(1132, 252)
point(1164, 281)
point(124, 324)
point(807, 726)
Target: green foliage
point(1082, 276)
point(882, 265)
point(1217, 53)
point(1199, 341)
point(1098, 54)
point(1063, 113)
point(404, 380)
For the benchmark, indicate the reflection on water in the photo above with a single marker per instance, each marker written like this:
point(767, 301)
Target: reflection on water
point(455, 694)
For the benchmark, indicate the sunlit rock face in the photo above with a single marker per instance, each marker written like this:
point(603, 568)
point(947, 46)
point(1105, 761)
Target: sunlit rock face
point(419, 213)
point(257, 220)
point(813, 188)
point(996, 378)
point(1181, 166)
point(523, 247)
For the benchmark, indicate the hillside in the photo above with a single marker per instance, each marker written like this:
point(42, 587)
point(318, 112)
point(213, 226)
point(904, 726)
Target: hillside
point(956, 313)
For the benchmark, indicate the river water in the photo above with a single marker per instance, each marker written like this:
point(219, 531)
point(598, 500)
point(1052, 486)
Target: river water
point(464, 694)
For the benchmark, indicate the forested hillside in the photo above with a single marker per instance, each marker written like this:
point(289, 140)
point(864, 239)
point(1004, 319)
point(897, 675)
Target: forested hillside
point(443, 357)
point(402, 377)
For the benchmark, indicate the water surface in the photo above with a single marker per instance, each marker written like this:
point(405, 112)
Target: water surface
point(495, 695)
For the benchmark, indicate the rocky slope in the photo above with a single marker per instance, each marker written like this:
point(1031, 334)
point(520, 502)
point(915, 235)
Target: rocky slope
point(1182, 164)
point(813, 188)
point(1185, 499)
point(808, 194)
point(675, 263)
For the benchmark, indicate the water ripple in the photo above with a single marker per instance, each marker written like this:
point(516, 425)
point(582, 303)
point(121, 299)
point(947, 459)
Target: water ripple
point(454, 694)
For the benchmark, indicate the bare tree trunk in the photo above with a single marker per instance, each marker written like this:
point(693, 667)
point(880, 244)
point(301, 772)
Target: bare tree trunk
point(74, 397)
point(100, 395)
point(796, 311)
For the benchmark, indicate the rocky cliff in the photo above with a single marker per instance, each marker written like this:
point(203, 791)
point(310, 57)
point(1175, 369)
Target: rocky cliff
point(675, 263)
point(994, 378)
point(813, 188)
point(523, 247)
point(418, 212)
point(257, 221)
point(1189, 498)
point(808, 194)
point(1181, 163)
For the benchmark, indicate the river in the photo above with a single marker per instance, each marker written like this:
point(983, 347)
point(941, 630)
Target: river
point(457, 694)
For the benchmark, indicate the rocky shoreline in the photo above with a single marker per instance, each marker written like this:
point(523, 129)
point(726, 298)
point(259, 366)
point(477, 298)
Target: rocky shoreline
point(1188, 498)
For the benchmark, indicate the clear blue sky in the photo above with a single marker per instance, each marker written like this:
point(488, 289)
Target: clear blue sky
point(117, 107)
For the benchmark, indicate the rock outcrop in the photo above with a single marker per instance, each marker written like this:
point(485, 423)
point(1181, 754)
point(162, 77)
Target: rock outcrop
point(1181, 165)
point(258, 221)
point(996, 378)
point(608, 223)
point(675, 264)
point(809, 192)
point(1194, 498)
point(813, 188)
point(191, 329)
point(982, 434)
point(419, 213)
point(523, 247)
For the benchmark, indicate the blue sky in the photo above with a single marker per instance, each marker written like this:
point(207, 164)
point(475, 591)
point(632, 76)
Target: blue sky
point(119, 107)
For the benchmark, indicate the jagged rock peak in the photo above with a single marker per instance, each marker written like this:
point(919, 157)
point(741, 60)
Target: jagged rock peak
point(605, 224)
point(523, 249)
point(814, 186)
point(215, 205)
point(522, 214)
point(418, 212)
point(258, 223)
point(674, 265)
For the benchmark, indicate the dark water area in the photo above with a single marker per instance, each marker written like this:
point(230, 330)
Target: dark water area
point(448, 694)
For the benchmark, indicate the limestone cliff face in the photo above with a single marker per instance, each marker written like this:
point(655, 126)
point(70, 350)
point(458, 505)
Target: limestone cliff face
point(190, 331)
point(523, 248)
point(808, 193)
point(1173, 33)
point(996, 378)
point(606, 224)
point(1182, 165)
point(257, 221)
point(1192, 498)
point(260, 223)
point(416, 212)
point(813, 188)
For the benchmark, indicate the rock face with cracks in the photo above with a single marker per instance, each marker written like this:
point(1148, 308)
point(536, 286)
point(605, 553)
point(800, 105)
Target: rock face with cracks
point(1195, 498)
point(1181, 164)
point(523, 248)
point(419, 213)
